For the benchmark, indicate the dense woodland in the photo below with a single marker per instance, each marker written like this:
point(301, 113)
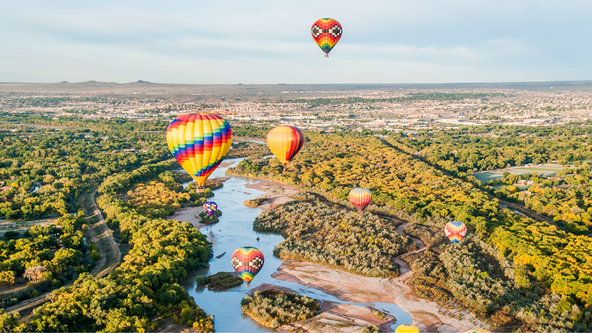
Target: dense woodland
point(145, 285)
point(510, 270)
point(219, 281)
point(317, 232)
point(539, 278)
point(274, 308)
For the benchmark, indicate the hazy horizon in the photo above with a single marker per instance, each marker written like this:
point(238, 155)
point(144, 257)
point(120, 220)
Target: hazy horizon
point(267, 42)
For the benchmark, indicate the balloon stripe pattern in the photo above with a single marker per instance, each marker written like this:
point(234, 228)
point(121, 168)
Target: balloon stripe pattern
point(407, 329)
point(247, 261)
point(199, 143)
point(455, 231)
point(360, 198)
point(285, 142)
point(326, 32)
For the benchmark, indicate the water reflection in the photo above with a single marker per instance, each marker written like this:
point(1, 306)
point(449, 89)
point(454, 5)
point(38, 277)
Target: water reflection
point(235, 230)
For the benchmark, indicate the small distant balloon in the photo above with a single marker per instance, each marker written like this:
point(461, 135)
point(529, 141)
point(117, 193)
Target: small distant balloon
point(247, 261)
point(360, 198)
point(455, 231)
point(210, 207)
point(326, 32)
point(407, 329)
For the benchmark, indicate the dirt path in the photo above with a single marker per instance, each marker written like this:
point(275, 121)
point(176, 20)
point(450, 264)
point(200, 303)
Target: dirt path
point(100, 234)
point(404, 269)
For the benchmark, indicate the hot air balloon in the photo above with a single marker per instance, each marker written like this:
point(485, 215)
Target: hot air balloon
point(478, 330)
point(247, 261)
point(455, 231)
point(407, 329)
point(210, 207)
point(199, 143)
point(360, 198)
point(285, 142)
point(326, 32)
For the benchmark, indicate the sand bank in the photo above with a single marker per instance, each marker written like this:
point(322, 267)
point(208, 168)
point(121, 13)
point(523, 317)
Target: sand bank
point(189, 214)
point(360, 289)
point(275, 193)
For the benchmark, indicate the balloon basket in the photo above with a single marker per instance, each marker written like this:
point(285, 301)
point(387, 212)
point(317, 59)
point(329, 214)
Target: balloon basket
point(201, 190)
point(248, 285)
point(326, 56)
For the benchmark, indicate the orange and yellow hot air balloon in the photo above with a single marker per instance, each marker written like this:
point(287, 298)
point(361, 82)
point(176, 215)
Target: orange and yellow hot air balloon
point(285, 142)
point(407, 329)
point(360, 198)
point(199, 143)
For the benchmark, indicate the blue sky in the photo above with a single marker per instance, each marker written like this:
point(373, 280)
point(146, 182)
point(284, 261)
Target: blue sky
point(268, 42)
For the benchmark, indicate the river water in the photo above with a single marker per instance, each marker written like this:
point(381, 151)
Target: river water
point(235, 230)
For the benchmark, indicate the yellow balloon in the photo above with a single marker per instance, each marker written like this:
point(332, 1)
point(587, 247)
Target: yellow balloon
point(285, 142)
point(407, 329)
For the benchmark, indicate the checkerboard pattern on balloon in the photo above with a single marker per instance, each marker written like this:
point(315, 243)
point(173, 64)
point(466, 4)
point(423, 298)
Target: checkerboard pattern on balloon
point(326, 32)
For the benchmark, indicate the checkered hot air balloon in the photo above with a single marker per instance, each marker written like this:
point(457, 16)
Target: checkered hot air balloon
point(455, 231)
point(285, 142)
point(199, 143)
point(210, 207)
point(360, 198)
point(247, 261)
point(326, 32)
point(407, 329)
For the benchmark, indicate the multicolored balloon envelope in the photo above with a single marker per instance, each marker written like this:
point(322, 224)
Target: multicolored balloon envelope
point(360, 198)
point(407, 329)
point(326, 32)
point(210, 207)
point(199, 143)
point(455, 231)
point(285, 142)
point(247, 261)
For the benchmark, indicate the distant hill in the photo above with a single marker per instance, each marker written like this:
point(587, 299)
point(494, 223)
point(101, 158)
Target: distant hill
point(94, 87)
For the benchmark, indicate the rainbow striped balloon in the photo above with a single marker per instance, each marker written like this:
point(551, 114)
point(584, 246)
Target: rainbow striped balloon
point(285, 142)
point(247, 261)
point(199, 143)
point(407, 329)
point(455, 231)
point(326, 32)
point(360, 198)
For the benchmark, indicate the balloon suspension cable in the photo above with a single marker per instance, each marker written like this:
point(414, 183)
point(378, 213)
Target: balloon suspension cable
point(284, 171)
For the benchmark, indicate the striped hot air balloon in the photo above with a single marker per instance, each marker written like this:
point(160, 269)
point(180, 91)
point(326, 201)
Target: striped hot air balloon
point(285, 142)
point(247, 261)
point(210, 207)
point(326, 32)
point(360, 198)
point(199, 143)
point(407, 329)
point(455, 231)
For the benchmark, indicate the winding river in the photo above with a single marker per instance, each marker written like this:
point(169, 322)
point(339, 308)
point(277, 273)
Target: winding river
point(235, 230)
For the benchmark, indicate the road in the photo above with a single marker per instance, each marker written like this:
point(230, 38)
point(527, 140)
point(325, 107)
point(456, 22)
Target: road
point(100, 234)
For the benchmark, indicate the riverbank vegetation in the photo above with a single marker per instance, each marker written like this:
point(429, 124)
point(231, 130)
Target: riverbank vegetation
point(219, 281)
point(522, 274)
point(274, 308)
point(362, 244)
